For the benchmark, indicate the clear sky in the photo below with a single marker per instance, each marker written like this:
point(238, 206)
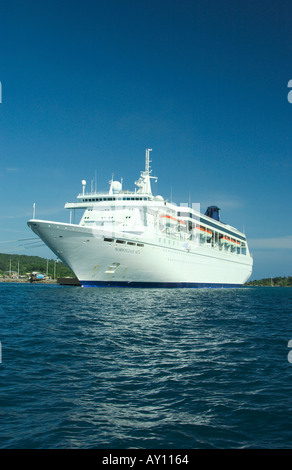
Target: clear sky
point(88, 85)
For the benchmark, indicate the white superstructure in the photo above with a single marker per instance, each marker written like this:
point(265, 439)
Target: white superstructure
point(137, 239)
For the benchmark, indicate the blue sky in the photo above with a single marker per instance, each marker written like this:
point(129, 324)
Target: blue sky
point(88, 85)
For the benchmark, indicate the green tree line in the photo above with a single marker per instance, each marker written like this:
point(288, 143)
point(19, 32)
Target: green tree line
point(27, 264)
point(272, 281)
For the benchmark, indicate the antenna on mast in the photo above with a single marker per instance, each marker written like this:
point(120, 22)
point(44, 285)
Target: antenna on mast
point(147, 161)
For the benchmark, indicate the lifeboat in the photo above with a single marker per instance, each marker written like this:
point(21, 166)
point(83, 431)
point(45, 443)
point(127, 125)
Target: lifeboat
point(172, 219)
point(229, 241)
point(204, 232)
point(225, 240)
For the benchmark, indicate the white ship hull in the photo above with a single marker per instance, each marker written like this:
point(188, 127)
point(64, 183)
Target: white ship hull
point(103, 258)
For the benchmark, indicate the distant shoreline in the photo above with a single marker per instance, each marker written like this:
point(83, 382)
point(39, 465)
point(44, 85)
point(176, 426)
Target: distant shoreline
point(62, 281)
point(279, 281)
point(27, 281)
point(261, 285)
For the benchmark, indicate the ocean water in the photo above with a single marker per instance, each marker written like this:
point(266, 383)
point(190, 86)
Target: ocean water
point(113, 368)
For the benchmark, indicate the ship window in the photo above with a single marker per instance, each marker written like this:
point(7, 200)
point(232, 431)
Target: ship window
point(140, 244)
point(108, 239)
point(131, 243)
point(120, 241)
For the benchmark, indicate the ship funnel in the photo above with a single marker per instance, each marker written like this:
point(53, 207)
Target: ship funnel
point(213, 212)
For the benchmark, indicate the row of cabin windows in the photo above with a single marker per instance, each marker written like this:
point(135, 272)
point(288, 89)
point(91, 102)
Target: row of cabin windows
point(122, 242)
point(141, 244)
point(98, 199)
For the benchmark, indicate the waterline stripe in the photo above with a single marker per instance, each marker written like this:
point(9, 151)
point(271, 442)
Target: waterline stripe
point(156, 284)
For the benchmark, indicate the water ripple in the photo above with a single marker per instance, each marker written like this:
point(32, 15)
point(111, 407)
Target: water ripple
point(121, 368)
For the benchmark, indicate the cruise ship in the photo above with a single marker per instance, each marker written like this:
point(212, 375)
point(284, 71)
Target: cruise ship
point(137, 239)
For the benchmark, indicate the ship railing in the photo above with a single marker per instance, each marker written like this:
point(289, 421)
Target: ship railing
point(105, 193)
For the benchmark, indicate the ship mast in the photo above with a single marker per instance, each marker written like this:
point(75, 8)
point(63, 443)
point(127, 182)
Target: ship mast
point(144, 181)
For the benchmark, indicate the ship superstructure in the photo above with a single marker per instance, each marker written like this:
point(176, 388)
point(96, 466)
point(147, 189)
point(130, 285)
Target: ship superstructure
point(137, 239)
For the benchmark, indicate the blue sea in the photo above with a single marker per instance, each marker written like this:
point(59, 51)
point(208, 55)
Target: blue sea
point(118, 368)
